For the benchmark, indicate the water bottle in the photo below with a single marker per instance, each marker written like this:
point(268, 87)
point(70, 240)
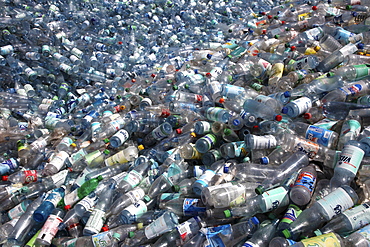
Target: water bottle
point(304, 185)
point(50, 228)
point(263, 235)
point(49, 204)
point(336, 57)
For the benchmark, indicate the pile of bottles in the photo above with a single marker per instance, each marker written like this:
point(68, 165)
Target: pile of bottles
point(185, 123)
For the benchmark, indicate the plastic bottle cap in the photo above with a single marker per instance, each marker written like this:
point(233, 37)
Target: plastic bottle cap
point(153, 75)
point(314, 8)
point(227, 213)
point(226, 169)
point(278, 118)
point(318, 232)
point(133, 80)
point(264, 160)
point(178, 131)
point(122, 107)
point(5, 178)
point(269, 17)
point(255, 220)
point(127, 89)
point(73, 145)
point(146, 198)
point(360, 46)
point(307, 115)
point(131, 234)
point(140, 225)
point(67, 207)
point(276, 36)
point(286, 233)
point(100, 178)
point(284, 110)
point(287, 94)
point(208, 74)
point(349, 7)
point(176, 188)
point(175, 87)
point(140, 147)
point(165, 113)
point(259, 190)
point(293, 47)
point(106, 151)
point(227, 131)
point(209, 56)
point(192, 134)
point(106, 140)
point(187, 86)
point(264, 31)
point(222, 100)
point(105, 228)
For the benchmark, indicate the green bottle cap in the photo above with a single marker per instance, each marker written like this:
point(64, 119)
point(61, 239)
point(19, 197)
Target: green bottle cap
point(227, 131)
point(106, 151)
point(117, 236)
point(276, 36)
point(227, 213)
point(175, 87)
point(131, 234)
point(318, 232)
point(286, 233)
point(349, 7)
point(146, 198)
point(106, 140)
point(259, 190)
point(100, 178)
point(176, 188)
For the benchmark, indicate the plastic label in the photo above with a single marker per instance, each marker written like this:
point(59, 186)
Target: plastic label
point(239, 200)
point(184, 230)
point(191, 207)
point(50, 228)
point(133, 178)
point(291, 214)
point(215, 113)
point(353, 89)
point(117, 123)
point(135, 195)
point(96, 221)
point(250, 244)
point(30, 176)
point(160, 133)
point(122, 135)
point(137, 209)
point(103, 239)
point(303, 104)
point(350, 158)
point(71, 198)
point(336, 202)
point(319, 135)
point(306, 180)
point(59, 178)
point(358, 216)
point(116, 158)
point(210, 139)
point(324, 240)
point(264, 142)
point(59, 159)
point(78, 155)
point(365, 231)
point(308, 147)
point(274, 197)
point(88, 202)
point(54, 198)
point(156, 228)
point(17, 211)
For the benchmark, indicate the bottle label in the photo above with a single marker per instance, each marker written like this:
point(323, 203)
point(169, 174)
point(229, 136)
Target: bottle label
point(350, 158)
point(210, 139)
point(54, 198)
point(291, 214)
point(156, 228)
point(87, 202)
point(324, 240)
point(11, 163)
point(96, 221)
point(358, 216)
point(264, 142)
point(103, 239)
point(303, 104)
point(362, 70)
point(319, 135)
point(336, 202)
point(365, 231)
point(30, 176)
point(274, 197)
point(13, 188)
point(50, 228)
point(17, 211)
point(116, 158)
point(91, 156)
point(241, 199)
point(215, 113)
point(137, 210)
point(117, 123)
point(191, 207)
point(353, 89)
point(122, 135)
point(39, 144)
point(165, 197)
point(306, 180)
point(184, 231)
point(195, 155)
point(308, 147)
point(78, 155)
point(350, 128)
point(133, 178)
point(135, 195)
point(59, 178)
point(71, 198)
point(205, 125)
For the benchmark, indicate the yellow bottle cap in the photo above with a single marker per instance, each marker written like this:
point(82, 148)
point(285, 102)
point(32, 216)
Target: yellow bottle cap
point(140, 147)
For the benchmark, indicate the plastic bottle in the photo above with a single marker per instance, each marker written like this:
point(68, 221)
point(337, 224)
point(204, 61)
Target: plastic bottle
point(24, 177)
point(97, 218)
point(281, 242)
point(303, 187)
point(321, 211)
point(263, 235)
point(50, 228)
point(336, 57)
point(125, 200)
point(49, 204)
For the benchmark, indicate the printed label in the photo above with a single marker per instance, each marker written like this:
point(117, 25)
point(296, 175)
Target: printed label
point(59, 178)
point(71, 198)
point(365, 231)
point(204, 127)
point(30, 176)
point(210, 139)
point(122, 135)
point(133, 178)
point(352, 90)
point(191, 207)
point(54, 198)
point(291, 214)
point(91, 156)
point(17, 211)
point(160, 132)
point(250, 244)
point(50, 228)
point(308, 147)
point(350, 158)
point(239, 200)
point(87, 202)
point(136, 210)
point(103, 239)
point(306, 180)
point(59, 159)
point(184, 230)
point(96, 221)
point(117, 123)
point(336, 202)
point(273, 198)
point(78, 155)
point(351, 127)
point(39, 144)
point(264, 142)
point(303, 104)
point(156, 228)
point(324, 240)
point(135, 195)
point(358, 216)
point(319, 135)
point(11, 163)
point(215, 113)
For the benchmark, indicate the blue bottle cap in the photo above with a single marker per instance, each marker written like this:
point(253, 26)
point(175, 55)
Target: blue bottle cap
point(226, 169)
point(264, 160)
point(209, 56)
point(360, 46)
point(284, 110)
point(255, 220)
point(287, 94)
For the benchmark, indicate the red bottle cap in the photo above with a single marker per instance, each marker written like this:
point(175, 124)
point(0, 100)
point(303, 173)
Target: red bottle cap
point(5, 178)
point(178, 131)
point(222, 100)
point(67, 207)
point(278, 118)
point(314, 8)
point(307, 115)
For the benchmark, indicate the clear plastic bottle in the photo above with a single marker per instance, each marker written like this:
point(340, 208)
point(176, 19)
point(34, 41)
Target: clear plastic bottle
point(48, 205)
point(321, 211)
point(336, 57)
point(125, 200)
point(303, 187)
point(263, 235)
point(50, 228)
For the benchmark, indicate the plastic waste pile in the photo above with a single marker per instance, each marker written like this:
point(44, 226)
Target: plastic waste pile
point(185, 123)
